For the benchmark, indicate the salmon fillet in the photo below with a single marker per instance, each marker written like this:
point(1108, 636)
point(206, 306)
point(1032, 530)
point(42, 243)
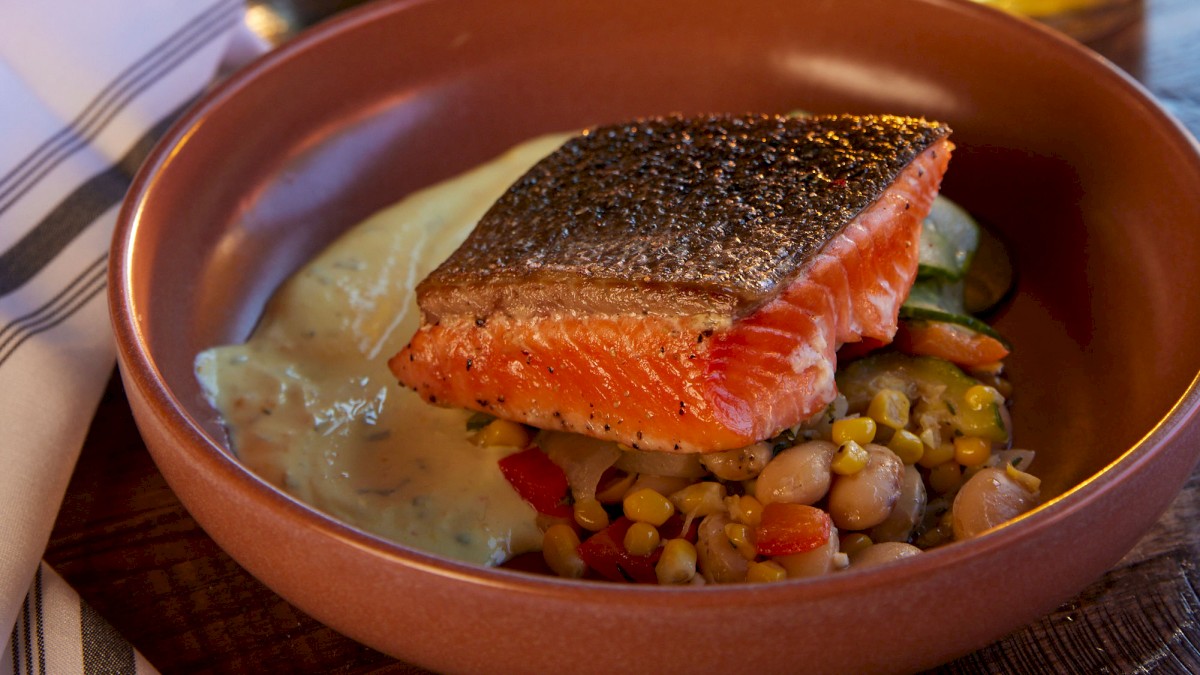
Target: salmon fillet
point(681, 284)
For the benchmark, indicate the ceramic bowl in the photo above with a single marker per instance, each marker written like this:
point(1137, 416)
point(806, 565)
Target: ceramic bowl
point(1096, 189)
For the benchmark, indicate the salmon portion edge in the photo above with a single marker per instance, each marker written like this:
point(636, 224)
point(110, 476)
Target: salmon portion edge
point(697, 383)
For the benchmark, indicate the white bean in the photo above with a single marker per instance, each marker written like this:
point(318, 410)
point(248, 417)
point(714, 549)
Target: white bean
point(740, 464)
point(882, 553)
point(799, 475)
point(908, 511)
point(811, 563)
point(719, 561)
point(865, 499)
point(988, 499)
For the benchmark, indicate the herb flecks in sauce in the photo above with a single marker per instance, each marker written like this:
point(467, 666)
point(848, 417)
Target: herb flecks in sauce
point(312, 408)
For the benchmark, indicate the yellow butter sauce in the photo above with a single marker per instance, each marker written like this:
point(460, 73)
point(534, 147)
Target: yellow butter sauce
point(311, 407)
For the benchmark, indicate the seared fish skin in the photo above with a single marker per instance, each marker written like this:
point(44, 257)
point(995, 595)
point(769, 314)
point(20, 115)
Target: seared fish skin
point(681, 284)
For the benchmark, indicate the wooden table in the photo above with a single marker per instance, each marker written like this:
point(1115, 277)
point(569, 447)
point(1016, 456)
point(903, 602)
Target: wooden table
point(127, 545)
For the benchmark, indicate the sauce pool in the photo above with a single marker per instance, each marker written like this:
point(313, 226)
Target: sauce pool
point(311, 407)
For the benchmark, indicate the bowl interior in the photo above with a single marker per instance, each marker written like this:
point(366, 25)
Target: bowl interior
point(1059, 154)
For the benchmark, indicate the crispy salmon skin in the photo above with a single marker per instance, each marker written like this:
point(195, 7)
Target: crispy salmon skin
point(681, 283)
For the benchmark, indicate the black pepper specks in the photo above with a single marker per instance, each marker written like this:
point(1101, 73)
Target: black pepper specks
point(729, 206)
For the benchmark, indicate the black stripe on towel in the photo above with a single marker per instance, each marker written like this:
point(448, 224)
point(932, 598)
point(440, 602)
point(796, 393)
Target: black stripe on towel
point(105, 652)
point(85, 286)
point(76, 212)
point(41, 624)
point(15, 644)
point(162, 59)
point(27, 636)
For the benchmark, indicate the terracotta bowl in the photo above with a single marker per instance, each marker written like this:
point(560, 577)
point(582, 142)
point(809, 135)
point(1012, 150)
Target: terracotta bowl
point(1094, 186)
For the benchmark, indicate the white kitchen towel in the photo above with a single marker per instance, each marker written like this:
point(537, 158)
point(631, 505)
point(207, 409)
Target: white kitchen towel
point(86, 86)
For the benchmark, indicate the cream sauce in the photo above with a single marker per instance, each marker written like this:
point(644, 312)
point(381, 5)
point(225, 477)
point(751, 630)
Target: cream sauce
point(311, 407)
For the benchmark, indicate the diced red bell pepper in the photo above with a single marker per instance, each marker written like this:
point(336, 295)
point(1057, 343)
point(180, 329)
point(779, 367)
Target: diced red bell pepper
point(957, 344)
point(792, 528)
point(539, 481)
point(605, 552)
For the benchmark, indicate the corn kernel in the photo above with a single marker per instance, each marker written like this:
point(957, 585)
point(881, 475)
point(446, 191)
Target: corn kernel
point(678, 562)
point(907, 446)
point(745, 509)
point(700, 499)
point(849, 459)
point(854, 542)
point(890, 408)
point(648, 506)
point(936, 455)
point(945, 477)
point(641, 539)
point(560, 547)
point(861, 430)
point(980, 396)
point(765, 571)
point(590, 514)
point(1026, 480)
point(742, 539)
point(503, 433)
point(971, 450)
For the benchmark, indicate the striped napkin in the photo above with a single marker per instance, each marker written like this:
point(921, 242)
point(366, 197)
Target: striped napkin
point(86, 86)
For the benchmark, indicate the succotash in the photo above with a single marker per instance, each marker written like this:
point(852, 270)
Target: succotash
point(906, 458)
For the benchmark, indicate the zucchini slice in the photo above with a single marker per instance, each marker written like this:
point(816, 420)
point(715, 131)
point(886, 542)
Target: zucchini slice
point(990, 276)
point(949, 238)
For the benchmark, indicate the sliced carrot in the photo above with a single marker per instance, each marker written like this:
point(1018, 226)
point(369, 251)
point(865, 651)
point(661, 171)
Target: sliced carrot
point(957, 344)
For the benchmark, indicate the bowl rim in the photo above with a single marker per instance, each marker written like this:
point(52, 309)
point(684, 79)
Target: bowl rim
point(141, 371)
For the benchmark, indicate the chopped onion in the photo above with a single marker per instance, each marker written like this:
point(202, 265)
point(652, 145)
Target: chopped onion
point(1020, 459)
point(582, 458)
point(719, 561)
